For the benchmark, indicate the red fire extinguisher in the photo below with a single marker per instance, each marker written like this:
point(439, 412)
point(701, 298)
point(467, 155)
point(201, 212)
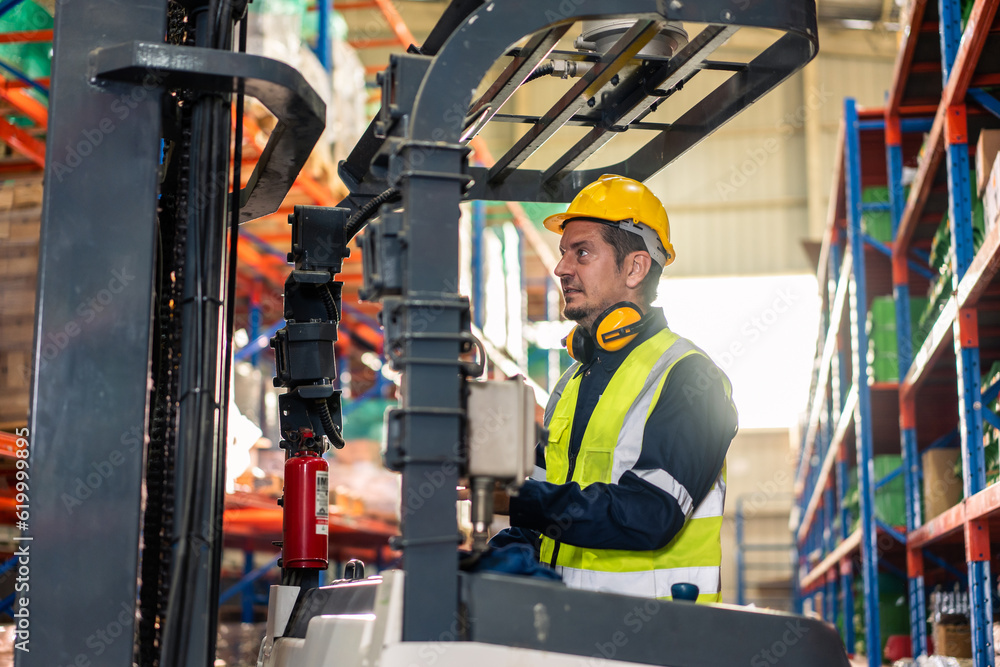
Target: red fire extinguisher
point(306, 527)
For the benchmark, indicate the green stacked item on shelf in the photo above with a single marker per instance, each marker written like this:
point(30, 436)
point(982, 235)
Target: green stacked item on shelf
point(967, 6)
point(991, 455)
point(851, 500)
point(876, 224)
point(941, 251)
point(890, 499)
point(940, 291)
point(991, 437)
point(893, 610)
point(883, 358)
point(883, 363)
point(940, 245)
point(34, 59)
point(918, 304)
point(860, 637)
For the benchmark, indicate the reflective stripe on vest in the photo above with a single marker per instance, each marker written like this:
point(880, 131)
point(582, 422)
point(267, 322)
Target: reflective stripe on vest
point(641, 583)
point(611, 445)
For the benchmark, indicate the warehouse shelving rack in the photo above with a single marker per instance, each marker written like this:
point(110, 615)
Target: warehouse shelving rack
point(940, 67)
point(851, 419)
point(963, 339)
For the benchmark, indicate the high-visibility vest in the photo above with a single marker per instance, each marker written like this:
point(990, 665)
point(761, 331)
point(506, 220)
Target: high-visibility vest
point(611, 445)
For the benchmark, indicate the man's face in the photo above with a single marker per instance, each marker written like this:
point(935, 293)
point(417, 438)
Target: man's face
point(591, 281)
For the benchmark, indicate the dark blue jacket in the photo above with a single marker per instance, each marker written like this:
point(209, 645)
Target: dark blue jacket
point(687, 434)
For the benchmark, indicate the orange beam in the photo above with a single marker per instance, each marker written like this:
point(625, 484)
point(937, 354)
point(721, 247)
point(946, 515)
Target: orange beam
point(7, 84)
point(396, 22)
point(22, 142)
point(312, 187)
point(320, 194)
point(384, 42)
point(26, 36)
point(261, 263)
point(252, 130)
point(8, 444)
point(27, 105)
point(18, 167)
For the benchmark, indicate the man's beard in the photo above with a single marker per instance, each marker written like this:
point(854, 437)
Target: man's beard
point(579, 314)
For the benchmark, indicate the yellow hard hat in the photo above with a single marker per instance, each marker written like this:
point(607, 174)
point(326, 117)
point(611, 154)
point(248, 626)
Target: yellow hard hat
point(629, 204)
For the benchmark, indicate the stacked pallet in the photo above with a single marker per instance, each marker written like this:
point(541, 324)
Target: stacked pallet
point(20, 215)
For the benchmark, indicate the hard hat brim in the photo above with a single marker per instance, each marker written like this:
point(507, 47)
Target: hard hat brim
point(554, 223)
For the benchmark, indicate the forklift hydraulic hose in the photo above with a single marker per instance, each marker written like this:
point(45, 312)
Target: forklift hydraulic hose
point(332, 432)
point(542, 70)
point(358, 220)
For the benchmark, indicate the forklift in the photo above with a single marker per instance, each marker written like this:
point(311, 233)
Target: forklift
point(152, 199)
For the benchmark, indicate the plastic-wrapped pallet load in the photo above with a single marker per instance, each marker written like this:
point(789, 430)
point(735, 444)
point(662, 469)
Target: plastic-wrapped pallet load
point(883, 357)
point(894, 612)
point(877, 224)
point(949, 611)
point(991, 437)
point(32, 58)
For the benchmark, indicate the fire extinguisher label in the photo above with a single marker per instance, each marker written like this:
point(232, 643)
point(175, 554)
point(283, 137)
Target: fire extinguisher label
point(322, 502)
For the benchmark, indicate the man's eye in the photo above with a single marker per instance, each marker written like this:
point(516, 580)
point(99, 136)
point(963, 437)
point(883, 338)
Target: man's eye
point(581, 252)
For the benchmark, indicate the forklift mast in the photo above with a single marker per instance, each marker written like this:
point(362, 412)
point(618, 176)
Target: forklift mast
point(411, 170)
point(150, 201)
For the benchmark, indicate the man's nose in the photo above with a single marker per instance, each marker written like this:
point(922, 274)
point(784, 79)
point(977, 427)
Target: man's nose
point(562, 268)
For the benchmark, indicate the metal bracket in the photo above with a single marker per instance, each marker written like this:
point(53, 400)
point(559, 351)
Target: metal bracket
point(382, 250)
point(395, 457)
point(281, 88)
point(395, 338)
point(400, 82)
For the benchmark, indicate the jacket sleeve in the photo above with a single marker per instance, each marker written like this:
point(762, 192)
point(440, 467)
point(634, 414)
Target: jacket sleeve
point(684, 447)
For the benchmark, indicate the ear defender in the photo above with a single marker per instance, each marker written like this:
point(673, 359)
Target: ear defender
point(615, 328)
point(618, 326)
point(579, 345)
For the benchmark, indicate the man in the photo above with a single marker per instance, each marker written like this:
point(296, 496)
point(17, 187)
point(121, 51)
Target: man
point(628, 493)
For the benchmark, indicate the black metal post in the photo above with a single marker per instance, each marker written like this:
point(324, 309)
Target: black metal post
point(432, 316)
point(92, 346)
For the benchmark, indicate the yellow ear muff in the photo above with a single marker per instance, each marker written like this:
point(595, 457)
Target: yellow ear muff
point(618, 326)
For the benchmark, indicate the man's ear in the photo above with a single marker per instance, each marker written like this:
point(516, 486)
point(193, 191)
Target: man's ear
point(638, 265)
